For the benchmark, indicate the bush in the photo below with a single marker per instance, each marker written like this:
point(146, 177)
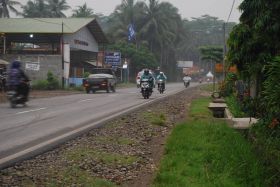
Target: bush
point(40, 85)
point(51, 83)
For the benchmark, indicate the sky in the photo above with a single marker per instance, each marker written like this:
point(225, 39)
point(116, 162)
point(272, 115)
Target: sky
point(187, 8)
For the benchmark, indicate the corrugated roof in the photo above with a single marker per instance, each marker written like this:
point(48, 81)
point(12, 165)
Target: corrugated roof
point(51, 25)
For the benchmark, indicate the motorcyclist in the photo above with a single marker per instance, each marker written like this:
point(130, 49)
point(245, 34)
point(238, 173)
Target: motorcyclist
point(149, 76)
point(161, 76)
point(17, 80)
point(187, 79)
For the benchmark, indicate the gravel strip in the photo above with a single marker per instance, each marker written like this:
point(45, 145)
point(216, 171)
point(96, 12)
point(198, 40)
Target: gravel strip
point(125, 151)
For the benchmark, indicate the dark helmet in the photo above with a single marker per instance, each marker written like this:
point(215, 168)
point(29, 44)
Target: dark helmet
point(146, 72)
point(15, 64)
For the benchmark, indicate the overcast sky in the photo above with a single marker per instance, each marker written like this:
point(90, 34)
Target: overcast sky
point(187, 8)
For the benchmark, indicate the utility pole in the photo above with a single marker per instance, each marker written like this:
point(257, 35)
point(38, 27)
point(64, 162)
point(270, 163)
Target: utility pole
point(225, 50)
point(62, 56)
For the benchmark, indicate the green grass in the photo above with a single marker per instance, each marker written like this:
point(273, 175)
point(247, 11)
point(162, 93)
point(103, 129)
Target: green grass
point(75, 176)
point(199, 108)
point(116, 140)
point(155, 118)
point(234, 107)
point(107, 158)
point(206, 152)
point(207, 87)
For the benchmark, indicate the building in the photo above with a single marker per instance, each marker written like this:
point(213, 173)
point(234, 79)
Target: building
point(67, 47)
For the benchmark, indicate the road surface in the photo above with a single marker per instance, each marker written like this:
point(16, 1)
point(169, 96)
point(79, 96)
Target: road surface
point(50, 121)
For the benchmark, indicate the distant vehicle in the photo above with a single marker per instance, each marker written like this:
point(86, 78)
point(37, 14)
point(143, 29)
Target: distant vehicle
point(139, 75)
point(100, 79)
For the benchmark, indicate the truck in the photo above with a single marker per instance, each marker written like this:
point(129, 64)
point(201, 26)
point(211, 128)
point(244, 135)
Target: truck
point(100, 79)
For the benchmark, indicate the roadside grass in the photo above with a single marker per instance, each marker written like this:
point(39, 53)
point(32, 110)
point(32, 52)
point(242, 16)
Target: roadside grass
point(204, 151)
point(207, 87)
point(199, 110)
point(115, 140)
point(155, 119)
point(234, 107)
point(107, 158)
point(74, 176)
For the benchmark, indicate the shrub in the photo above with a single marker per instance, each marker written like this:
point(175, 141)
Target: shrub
point(52, 81)
point(40, 85)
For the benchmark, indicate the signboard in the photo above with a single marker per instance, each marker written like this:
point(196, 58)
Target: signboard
point(33, 66)
point(113, 58)
point(219, 68)
point(184, 64)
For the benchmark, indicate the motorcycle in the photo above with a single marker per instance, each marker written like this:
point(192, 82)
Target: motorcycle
point(16, 98)
point(186, 83)
point(146, 89)
point(161, 86)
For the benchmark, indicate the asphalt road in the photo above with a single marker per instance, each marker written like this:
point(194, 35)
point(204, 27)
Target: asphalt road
point(48, 121)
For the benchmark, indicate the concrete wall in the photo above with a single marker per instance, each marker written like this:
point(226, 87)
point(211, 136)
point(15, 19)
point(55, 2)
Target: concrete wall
point(82, 40)
point(46, 63)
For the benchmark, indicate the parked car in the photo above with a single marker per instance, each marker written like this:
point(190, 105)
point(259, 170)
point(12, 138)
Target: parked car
point(100, 79)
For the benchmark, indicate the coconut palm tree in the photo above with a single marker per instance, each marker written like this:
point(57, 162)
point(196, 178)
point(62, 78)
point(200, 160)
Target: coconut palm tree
point(83, 11)
point(6, 6)
point(128, 12)
point(57, 6)
point(36, 8)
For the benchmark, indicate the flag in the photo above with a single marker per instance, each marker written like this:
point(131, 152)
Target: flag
point(131, 32)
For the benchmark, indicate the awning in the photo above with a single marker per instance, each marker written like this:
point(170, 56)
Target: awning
point(91, 62)
point(4, 62)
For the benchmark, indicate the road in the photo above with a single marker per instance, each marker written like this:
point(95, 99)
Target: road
point(50, 121)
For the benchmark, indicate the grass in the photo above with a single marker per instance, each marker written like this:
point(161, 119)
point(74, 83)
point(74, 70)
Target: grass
point(75, 176)
point(116, 140)
point(207, 87)
point(234, 107)
point(155, 119)
point(107, 158)
point(206, 152)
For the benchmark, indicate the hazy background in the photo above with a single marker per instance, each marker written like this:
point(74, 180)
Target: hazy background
point(187, 8)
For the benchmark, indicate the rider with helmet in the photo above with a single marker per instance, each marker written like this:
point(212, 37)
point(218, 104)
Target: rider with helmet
point(161, 76)
point(149, 76)
point(17, 80)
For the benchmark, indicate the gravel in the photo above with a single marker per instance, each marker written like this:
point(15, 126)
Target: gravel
point(125, 151)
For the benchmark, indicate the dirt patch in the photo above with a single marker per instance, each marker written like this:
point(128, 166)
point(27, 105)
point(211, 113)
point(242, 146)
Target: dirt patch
point(126, 151)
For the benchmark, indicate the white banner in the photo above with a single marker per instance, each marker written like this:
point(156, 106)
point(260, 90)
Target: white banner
point(32, 66)
point(184, 64)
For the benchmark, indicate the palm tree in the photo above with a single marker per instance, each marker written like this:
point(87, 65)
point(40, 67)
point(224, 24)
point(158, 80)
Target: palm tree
point(5, 6)
point(83, 11)
point(36, 8)
point(57, 6)
point(128, 12)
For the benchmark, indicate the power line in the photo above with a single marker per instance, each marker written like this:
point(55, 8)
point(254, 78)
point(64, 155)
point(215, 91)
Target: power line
point(231, 10)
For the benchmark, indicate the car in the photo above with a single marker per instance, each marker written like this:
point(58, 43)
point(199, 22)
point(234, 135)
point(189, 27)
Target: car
point(100, 79)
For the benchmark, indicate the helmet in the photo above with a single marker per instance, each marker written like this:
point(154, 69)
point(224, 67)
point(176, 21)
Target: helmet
point(146, 71)
point(161, 73)
point(15, 64)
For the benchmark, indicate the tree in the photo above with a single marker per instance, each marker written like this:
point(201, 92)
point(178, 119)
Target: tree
point(6, 6)
point(36, 9)
point(56, 7)
point(83, 11)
